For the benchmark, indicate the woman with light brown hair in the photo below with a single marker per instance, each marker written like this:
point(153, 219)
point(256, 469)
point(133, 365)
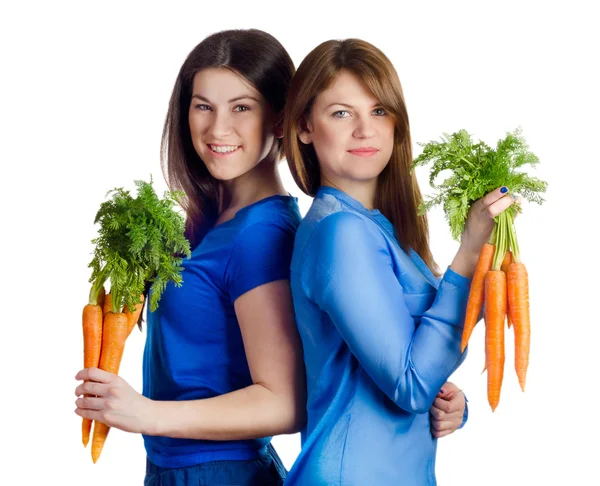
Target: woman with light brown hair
point(380, 327)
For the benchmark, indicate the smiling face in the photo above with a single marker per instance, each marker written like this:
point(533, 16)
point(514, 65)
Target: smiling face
point(353, 136)
point(231, 124)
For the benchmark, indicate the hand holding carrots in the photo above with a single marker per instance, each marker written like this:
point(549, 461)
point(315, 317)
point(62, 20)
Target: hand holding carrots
point(478, 229)
point(109, 399)
point(448, 410)
point(482, 217)
point(480, 220)
point(139, 249)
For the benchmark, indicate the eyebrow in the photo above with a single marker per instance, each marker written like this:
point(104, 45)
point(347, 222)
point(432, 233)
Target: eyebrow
point(347, 105)
point(233, 100)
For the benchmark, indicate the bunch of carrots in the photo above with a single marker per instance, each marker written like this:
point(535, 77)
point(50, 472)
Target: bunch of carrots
point(105, 330)
point(500, 285)
point(139, 249)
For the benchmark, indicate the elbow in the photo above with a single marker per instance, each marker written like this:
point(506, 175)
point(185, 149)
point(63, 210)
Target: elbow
point(288, 414)
point(414, 406)
point(414, 399)
point(293, 416)
point(295, 422)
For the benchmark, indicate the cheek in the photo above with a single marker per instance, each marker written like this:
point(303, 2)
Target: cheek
point(197, 124)
point(253, 131)
point(328, 141)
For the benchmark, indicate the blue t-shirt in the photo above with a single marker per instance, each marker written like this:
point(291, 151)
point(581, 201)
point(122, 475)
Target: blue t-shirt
point(194, 347)
point(381, 334)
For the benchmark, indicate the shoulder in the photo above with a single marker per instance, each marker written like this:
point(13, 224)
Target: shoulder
point(345, 228)
point(279, 211)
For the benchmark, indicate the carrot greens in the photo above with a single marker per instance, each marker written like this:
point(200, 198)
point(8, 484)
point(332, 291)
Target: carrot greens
point(140, 242)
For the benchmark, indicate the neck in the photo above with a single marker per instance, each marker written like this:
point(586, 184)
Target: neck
point(362, 191)
point(261, 182)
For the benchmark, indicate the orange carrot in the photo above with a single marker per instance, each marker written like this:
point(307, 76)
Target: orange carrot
point(476, 294)
point(101, 297)
point(518, 301)
point(495, 313)
point(107, 305)
point(134, 316)
point(92, 343)
point(508, 259)
point(114, 335)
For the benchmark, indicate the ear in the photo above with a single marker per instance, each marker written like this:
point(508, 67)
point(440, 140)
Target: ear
point(278, 130)
point(278, 127)
point(305, 131)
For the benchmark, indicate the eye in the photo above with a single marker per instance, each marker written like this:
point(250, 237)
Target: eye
point(341, 114)
point(241, 108)
point(379, 112)
point(202, 107)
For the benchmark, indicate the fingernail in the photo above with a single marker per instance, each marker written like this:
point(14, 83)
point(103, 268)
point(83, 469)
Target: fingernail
point(504, 189)
point(442, 392)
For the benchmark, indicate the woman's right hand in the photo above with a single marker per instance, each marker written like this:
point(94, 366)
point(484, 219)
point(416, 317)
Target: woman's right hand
point(478, 228)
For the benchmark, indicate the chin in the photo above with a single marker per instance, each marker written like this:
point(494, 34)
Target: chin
point(224, 176)
point(363, 175)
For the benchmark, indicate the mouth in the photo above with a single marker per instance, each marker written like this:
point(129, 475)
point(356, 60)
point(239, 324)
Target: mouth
point(364, 151)
point(223, 150)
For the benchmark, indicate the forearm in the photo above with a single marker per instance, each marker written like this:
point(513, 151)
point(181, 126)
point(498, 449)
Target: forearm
point(435, 350)
point(464, 262)
point(248, 413)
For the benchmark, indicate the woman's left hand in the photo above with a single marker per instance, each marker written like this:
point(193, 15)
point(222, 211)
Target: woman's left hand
point(447, 411)
point(112, 401)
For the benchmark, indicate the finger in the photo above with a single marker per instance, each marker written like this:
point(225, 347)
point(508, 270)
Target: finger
point(436, 413)
point(444, 405)
point(438, 434)
point(491, 197)
point(500, 206)
point(457, 403)
point(91, 388)
point(448, 389)
point(89, 414)
point(90, 403)
point(94, 374)
point(441, 425)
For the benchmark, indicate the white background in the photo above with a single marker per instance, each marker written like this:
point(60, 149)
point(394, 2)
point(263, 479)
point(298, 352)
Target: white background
point(83, 94)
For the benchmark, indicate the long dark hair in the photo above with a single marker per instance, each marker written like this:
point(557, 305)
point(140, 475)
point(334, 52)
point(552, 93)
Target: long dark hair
point(398, 194)
point(265, 64)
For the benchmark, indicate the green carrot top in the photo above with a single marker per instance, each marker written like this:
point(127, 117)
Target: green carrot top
point(140, 242)
point(475, 169)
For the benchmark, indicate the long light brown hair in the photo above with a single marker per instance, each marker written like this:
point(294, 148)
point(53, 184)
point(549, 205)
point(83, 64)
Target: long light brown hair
point(260, 59)
point(398, 194)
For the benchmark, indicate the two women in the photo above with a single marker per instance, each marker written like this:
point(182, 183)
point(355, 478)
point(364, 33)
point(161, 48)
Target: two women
point(223, 369)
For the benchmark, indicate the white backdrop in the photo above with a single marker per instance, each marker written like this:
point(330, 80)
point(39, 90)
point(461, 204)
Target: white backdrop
point(83, 95)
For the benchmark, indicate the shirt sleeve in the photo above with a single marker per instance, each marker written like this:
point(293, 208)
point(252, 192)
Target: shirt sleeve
point(465, 413)
point(349, 275)
point(262, 253)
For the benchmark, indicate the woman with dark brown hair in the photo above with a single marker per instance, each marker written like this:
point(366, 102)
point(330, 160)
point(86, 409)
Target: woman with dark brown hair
point(380, 329)
point(222, 369)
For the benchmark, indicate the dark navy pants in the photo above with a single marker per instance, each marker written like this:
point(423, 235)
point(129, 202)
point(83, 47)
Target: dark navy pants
point(267, 470)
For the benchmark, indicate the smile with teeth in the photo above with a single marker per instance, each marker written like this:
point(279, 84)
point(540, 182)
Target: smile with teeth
point(223, 149)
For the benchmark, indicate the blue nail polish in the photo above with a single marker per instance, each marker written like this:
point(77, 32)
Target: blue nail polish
point(504, 189)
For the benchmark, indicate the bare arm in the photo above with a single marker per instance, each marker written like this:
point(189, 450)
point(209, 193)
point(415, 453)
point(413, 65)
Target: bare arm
point(274, 403)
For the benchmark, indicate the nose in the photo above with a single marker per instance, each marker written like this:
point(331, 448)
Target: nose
point(364, 127)
point(221, 125)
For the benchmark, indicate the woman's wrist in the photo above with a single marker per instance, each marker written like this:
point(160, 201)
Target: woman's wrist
point(464, 262)
point(150, 421)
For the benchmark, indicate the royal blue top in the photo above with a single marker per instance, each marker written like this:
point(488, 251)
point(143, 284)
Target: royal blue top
point(194, 347)
point(381, 335)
